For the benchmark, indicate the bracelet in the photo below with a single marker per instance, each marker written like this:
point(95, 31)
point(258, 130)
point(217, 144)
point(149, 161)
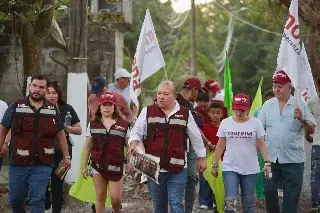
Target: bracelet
point(67, 157)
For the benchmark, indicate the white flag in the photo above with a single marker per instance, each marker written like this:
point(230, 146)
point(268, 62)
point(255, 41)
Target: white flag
point(147, 60)
point(308, 88)
point(289, 59)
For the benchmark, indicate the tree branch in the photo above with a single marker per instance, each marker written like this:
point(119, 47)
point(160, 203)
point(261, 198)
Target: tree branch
point(44, 19)
point(57, 36)
point(64, 65)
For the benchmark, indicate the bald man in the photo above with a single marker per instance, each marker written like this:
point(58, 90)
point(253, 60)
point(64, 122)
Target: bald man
point(169, 125)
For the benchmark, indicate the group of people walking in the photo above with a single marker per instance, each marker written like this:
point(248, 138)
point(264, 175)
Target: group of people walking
point(258, 152)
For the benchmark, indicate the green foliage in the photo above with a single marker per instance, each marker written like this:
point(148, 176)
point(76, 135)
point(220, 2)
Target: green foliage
point(253, 52)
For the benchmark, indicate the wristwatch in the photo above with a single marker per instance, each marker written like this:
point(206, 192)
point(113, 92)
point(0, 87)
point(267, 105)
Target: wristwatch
point(215, 165)
point(67, 157)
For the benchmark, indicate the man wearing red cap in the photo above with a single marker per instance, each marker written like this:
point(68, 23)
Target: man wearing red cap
point(213, 88)
point(285, 120)
point(188, 95)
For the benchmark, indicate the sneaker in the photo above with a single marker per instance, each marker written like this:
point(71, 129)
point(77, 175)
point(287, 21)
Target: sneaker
point(315, 207)
point(204, 207)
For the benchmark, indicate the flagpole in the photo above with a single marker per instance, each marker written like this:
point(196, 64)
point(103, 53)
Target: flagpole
point(165, 73)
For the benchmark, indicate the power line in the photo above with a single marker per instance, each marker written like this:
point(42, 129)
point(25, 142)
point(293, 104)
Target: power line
point(246, 22)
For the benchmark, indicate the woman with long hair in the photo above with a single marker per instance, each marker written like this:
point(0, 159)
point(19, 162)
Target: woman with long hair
point(54, 95)
point(241, 136)
point(107, 134)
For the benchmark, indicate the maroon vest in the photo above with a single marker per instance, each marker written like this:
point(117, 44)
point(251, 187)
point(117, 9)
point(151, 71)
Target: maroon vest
point(33, 134)
point(167, 139)
point(107, 152)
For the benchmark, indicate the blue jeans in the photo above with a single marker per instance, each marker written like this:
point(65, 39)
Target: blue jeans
point(291, 175)
point(205, 193)
point(170, 190)
point(315, 174)
point(192, 180)
point(247, 183)
point(24, 179)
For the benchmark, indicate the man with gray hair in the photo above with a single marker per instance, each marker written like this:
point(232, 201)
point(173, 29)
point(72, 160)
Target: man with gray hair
point(162, 130)
point(285, 120)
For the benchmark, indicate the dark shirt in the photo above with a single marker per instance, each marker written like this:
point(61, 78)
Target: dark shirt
point(196, 116)
point(64, 109)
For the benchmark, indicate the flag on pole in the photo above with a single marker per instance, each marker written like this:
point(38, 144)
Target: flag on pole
point(309, 89)
point(257, 101)
point(228, 95)
point(291, 55)
point(148, 58)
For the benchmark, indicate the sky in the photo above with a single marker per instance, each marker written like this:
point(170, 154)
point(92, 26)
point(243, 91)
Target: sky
point(181, 6)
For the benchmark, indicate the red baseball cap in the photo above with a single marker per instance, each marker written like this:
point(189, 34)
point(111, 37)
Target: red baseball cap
point(281, 77)
point(212, 85)
point(241, 102)
point(107, 97)
point(192, 82)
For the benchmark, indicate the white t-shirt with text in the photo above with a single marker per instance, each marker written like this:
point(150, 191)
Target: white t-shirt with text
point(241, 145)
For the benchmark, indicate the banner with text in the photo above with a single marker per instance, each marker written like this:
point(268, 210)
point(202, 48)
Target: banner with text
point(293, 59)
point(148, 58)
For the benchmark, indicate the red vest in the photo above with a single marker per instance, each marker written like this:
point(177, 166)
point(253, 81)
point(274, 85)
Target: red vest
point(107, 152)
point(167, 139)
point(33, 134)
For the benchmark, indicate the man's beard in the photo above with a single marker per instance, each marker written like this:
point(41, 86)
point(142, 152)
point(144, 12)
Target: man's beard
point(36, 99)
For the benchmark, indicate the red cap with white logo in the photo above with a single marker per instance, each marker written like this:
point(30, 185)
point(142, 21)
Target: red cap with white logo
point(212, 85)
point(107, 97)
point(241, 102)
point(281, 77)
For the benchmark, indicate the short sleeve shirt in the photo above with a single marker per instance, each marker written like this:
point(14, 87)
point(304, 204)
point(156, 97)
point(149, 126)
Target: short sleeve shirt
point(10, 113)
point(285, 135)
point(125, 92)
point(241, 145)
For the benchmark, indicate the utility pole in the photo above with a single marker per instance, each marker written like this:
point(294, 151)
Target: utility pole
point(193, 40)
point(77, 75)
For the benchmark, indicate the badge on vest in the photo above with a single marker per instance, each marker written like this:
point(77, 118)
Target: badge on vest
point(23, 106)
point(119, 128)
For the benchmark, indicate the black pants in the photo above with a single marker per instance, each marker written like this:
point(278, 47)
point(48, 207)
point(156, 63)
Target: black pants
point(56, 186)
point(291, 175)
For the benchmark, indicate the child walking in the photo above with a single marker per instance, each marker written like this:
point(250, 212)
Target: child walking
point(215, 112)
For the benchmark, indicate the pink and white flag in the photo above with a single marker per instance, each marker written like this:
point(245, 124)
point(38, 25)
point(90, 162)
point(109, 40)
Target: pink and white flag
point(291, 57)
point(147, 60)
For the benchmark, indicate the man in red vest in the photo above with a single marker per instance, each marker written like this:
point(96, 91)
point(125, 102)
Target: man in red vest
point(169, 125)
point(36, 126)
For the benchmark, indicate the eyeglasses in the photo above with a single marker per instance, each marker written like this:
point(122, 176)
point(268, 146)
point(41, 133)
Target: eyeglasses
point(54, 83)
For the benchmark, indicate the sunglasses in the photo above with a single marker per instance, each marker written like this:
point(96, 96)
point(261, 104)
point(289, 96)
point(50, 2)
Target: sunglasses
point(53, 83)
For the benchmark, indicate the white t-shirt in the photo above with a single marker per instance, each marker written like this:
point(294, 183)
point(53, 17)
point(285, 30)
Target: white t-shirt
point(241, 145)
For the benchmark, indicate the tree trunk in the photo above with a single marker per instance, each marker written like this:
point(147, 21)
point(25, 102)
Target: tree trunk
point(313, 51)
point(32, 48)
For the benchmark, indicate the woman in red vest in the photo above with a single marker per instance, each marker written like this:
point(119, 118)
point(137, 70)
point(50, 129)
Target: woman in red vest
point(107, 135)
